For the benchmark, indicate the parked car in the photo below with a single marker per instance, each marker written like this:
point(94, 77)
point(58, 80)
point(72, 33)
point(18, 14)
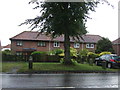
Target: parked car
point(111, 60)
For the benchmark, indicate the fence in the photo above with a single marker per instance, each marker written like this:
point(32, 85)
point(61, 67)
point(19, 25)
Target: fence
point(37, 58)
point(15, 58)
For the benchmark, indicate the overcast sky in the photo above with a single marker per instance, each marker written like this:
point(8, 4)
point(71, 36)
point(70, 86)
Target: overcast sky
point(104, 21)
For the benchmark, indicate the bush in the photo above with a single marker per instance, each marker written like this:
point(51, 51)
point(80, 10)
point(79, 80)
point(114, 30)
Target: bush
point(6, 52)
point(83, 52)
point(91, 57)
point(82, 55)
point(103, 53)
point(73, 53)
point(38, 53)
point(56, 52)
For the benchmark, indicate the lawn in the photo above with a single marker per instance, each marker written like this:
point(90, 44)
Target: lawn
point(8, 66)
point(23, 67)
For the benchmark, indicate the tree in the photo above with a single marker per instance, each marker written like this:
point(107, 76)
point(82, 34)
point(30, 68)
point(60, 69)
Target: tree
point(6, 52)
point(63, 18)
point(104, 45)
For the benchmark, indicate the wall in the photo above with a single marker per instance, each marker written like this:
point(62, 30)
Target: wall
point(48, 47)
point(116, 48)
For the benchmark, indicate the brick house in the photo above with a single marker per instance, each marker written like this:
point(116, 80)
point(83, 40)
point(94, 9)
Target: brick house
point(116, 46)
point(27, 42)
point(7, 47)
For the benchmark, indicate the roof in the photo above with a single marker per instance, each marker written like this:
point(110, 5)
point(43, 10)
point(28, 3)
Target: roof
point(117, 41)
point(7, 46)
point(30, 35)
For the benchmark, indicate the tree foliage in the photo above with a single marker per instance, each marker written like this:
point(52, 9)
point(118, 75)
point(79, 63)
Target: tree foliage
point(104, 45)
point(6, 52)
point(63, 18)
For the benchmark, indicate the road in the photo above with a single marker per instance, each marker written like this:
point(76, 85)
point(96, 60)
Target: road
point(80, 80)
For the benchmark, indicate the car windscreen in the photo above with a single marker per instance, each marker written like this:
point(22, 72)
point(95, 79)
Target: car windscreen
point(116, 58)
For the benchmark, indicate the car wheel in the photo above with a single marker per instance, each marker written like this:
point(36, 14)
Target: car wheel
point(96, 62)
point(109, 65)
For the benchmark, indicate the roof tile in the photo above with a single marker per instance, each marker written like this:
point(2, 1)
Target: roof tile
point(30, 35)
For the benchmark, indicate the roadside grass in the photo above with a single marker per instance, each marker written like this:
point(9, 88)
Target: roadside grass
point(23, 67)
point(61, 67)
point(8, 66)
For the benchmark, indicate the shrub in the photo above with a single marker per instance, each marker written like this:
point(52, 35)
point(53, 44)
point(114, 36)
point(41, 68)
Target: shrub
point(6, 52)
point(91, 57)
point(82, 55)
point(56, 52)
point(103, 53)
point(83, 52)
point(73, 53)
point(38, 53)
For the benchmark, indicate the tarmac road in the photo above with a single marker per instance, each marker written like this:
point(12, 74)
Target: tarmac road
point(60, 81)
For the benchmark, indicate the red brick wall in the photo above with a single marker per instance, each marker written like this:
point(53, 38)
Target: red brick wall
point(33, 44)
point(116, 49)
point(83, 46)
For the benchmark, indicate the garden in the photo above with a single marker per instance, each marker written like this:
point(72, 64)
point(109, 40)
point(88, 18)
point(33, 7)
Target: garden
point(83, 60)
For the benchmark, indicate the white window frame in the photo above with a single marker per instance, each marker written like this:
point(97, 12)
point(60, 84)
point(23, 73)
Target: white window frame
point(19, 43)
point(56, 44)
point(92, 45)
point(89, 45)
point(76, 45)
point(41, 44)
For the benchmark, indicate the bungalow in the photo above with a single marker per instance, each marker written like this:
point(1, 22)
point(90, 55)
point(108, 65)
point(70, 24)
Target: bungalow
point(116, 46)
point(29, 41)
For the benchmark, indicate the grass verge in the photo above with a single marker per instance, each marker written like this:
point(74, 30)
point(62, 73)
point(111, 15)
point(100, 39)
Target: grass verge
point(8, 66)
point(23, 67)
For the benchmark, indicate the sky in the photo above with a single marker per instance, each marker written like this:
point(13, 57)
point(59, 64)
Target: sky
point(104, 21)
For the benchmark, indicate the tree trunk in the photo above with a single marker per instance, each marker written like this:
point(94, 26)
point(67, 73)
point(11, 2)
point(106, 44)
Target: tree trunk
point(67, 58)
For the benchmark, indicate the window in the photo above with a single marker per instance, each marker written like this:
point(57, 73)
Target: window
point(89, 45)
point(108, 57)
point(42, 44)
point(102, 57)
point(76, 45)
point(56, 44)
point(18, 53)
point(19, 43)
